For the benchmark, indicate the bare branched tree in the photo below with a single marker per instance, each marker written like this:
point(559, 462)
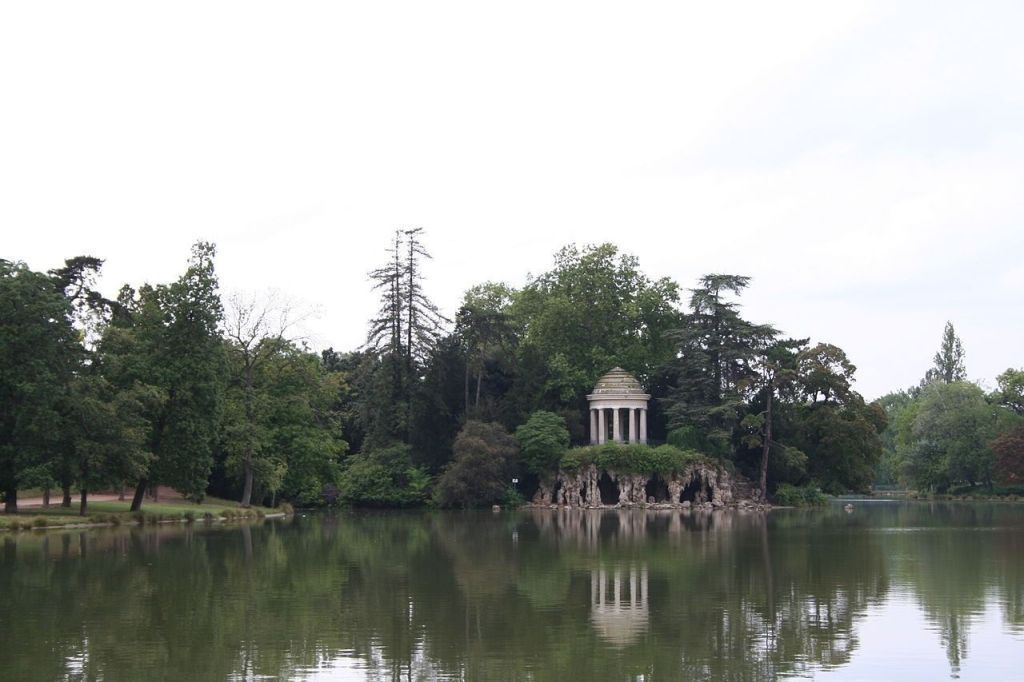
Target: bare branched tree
point(256, 326)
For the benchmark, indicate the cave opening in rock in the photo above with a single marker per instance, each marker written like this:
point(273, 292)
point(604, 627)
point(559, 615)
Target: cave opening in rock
point(608, 488)
point(693, 491)
point(656, 489)
point(555, 491)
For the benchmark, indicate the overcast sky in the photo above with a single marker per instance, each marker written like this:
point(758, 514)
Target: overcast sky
point(863, 162)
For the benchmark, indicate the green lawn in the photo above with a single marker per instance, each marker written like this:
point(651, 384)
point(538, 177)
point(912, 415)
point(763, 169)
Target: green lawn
point(117, 512)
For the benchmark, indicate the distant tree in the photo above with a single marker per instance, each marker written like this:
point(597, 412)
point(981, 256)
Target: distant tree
point(1009, 451)
point(543, 439)
point(1011, 390)
point(482, 468)
point(894, 405)
point(944, 440)
point(949, 359)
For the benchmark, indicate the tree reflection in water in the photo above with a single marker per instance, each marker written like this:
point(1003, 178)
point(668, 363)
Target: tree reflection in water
point(542, 595)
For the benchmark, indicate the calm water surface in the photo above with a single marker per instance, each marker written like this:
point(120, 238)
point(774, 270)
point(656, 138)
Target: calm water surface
point(891, 591)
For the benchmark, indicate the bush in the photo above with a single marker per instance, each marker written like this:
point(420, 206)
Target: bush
point(384, 478)
point(543, 440)
point(479, 474)
point(632, 458)
point(788, 495)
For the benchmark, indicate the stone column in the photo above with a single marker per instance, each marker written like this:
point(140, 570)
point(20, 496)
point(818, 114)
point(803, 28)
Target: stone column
point(631, 411)
point(616, 426)
point(643, 425)
point(593, 426)
point(602, 427)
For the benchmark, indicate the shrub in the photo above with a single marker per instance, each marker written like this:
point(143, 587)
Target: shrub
point(543, 440)
point(39, 522)
point(286, 508)
point(384, 478)
point(632, 458)
point(788, 495)
point(480, 472)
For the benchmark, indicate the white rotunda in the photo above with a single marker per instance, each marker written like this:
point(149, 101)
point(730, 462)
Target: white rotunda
point(619, 405)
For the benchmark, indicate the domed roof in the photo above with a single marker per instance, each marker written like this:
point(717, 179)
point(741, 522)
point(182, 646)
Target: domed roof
point(618, 382)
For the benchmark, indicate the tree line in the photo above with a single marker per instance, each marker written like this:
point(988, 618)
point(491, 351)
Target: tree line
point(948, 434)
point(161, 385)
point(439, 400)
point(168, 384)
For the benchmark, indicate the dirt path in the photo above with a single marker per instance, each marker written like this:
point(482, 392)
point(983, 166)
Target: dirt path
point(55, 500)
point(165, 494)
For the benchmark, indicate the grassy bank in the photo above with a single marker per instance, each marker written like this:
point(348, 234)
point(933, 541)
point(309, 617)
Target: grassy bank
point(115, 513)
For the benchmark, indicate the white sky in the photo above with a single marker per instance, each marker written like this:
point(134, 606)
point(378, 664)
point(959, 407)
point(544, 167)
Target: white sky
point(863, 162)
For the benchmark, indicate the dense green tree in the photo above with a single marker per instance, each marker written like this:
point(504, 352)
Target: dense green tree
point(105, 434)
point(1011, 390)
point(838, 431)
point(484, 325)
point(944, 439)
point(774, 373)
point(543, 439)
point(281, 414)
point(383, 478)
point(39, 352)
point(167, 338)
point(482, 468)
point(894, 405)
point(594, 310)
point(715, 348)
point(256, 332)
point(438, 406)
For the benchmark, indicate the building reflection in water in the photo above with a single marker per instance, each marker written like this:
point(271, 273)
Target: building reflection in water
point(618, 604)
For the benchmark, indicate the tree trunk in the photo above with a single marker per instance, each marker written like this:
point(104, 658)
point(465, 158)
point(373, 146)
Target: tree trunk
point(120, 493)
point(250, 417)
point(11, 501)
point(140, 491)
point(479, 378)
point(66, 500)
point(466, 388)
point(85, 498)
point(247, 486)
point(46, 498)
point(766, 449)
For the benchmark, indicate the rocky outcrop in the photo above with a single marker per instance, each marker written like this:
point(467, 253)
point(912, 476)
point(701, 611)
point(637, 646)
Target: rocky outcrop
point(702, 485)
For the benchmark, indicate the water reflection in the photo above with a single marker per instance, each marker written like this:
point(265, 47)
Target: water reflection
point(618, 604)
point(542, 595)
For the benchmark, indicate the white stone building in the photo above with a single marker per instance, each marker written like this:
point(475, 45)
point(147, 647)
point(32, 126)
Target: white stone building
point(618, 409)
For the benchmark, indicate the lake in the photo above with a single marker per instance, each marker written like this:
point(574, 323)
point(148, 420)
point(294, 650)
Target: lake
point(890, 591)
